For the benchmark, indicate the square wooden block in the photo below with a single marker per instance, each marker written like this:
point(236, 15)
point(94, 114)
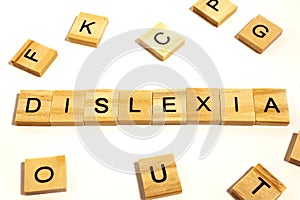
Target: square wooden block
point(33, 108)
point(135, 107)
point(169, 107)
point(67, 108)
point(259, 184)
point(237, 107)
point(160, 41)
point(87, 29)
point(271, 107)
point(214, 11)
point(159, 176)
point(45, 175)
point(294, 156)
point(101, 107)
point(202, 106)
point(259, 33)
point(34, 58)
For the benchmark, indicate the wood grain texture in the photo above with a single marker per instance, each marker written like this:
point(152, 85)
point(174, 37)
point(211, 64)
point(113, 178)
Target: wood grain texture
point(28, 102)
point(170, 186)
point(260, 38)
point(94, 112)
point(87, 29)
point(295, 153)
point(34, 58)
point(39, 179)
point(141, 107)
point(67, 108)
point(249, 186)
point(175, 107)
point(237, 107)
point(215, 12)
point(160, 41)
point(272, 116)
point(204, 115)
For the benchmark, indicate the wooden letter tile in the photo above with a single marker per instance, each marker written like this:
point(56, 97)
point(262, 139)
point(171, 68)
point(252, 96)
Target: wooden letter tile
point(34, 58)
point(202, 106)
point(161, 41)
point(257, 184)
point(159, 176)
point(45, 175)
point(237, 107)
point(67, 108)
point(214, 11)
point(135, 107)
point(294, 156)
point(271, 107)
point(87, 29)
point(259, 33)
point(33, 108)
point(169, 107)
point(101, 107)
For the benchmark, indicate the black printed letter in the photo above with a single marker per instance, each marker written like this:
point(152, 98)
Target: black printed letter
point(87, 26)
point(28, 105)
point(164, 174)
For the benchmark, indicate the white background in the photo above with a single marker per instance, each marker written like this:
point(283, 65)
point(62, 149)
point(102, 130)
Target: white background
point(239, 148)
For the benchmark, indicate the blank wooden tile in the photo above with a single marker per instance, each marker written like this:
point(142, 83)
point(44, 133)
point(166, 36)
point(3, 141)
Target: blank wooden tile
point(33, 108)
point(294, 156)
point(202, 106)
point(258, 184)
point(67, 108)
point(159, 176)
point(214, 11)
point(87, 29)
point(101, 107)
point(34, 58)
point(161, 41)
point(135, 107)
point(169, 107)
point(259, 33)
point(237, 107)
point(45, 175)
point(271, 107)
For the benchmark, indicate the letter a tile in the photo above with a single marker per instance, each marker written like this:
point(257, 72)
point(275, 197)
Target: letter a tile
point(159, 176)
point(87, 29)
point(160, 41)
point(259, 33)
point(33, 108)
point(45, 175)
point(34, 58)
point(258, 184)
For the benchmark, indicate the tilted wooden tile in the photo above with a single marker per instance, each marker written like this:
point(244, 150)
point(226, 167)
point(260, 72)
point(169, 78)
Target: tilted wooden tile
point(33, 108)
point(34, 58)
point(237, 107)
point(161, 41)
point(271, 107)
point(202, 106)
point(257, 184)
point(67, 108)
point(87, 29)
point(169, 107)
point(101, 107)
point(259, 33)
point(295, 153)
point(135, 107)
point(214, 11)
point(159, 176)
point(45, 175)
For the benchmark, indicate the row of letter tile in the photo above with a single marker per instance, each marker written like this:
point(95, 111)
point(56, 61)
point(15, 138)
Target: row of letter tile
point(157, 107)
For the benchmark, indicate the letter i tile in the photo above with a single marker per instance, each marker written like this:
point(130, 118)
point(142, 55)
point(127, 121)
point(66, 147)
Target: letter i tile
point(159, 176)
